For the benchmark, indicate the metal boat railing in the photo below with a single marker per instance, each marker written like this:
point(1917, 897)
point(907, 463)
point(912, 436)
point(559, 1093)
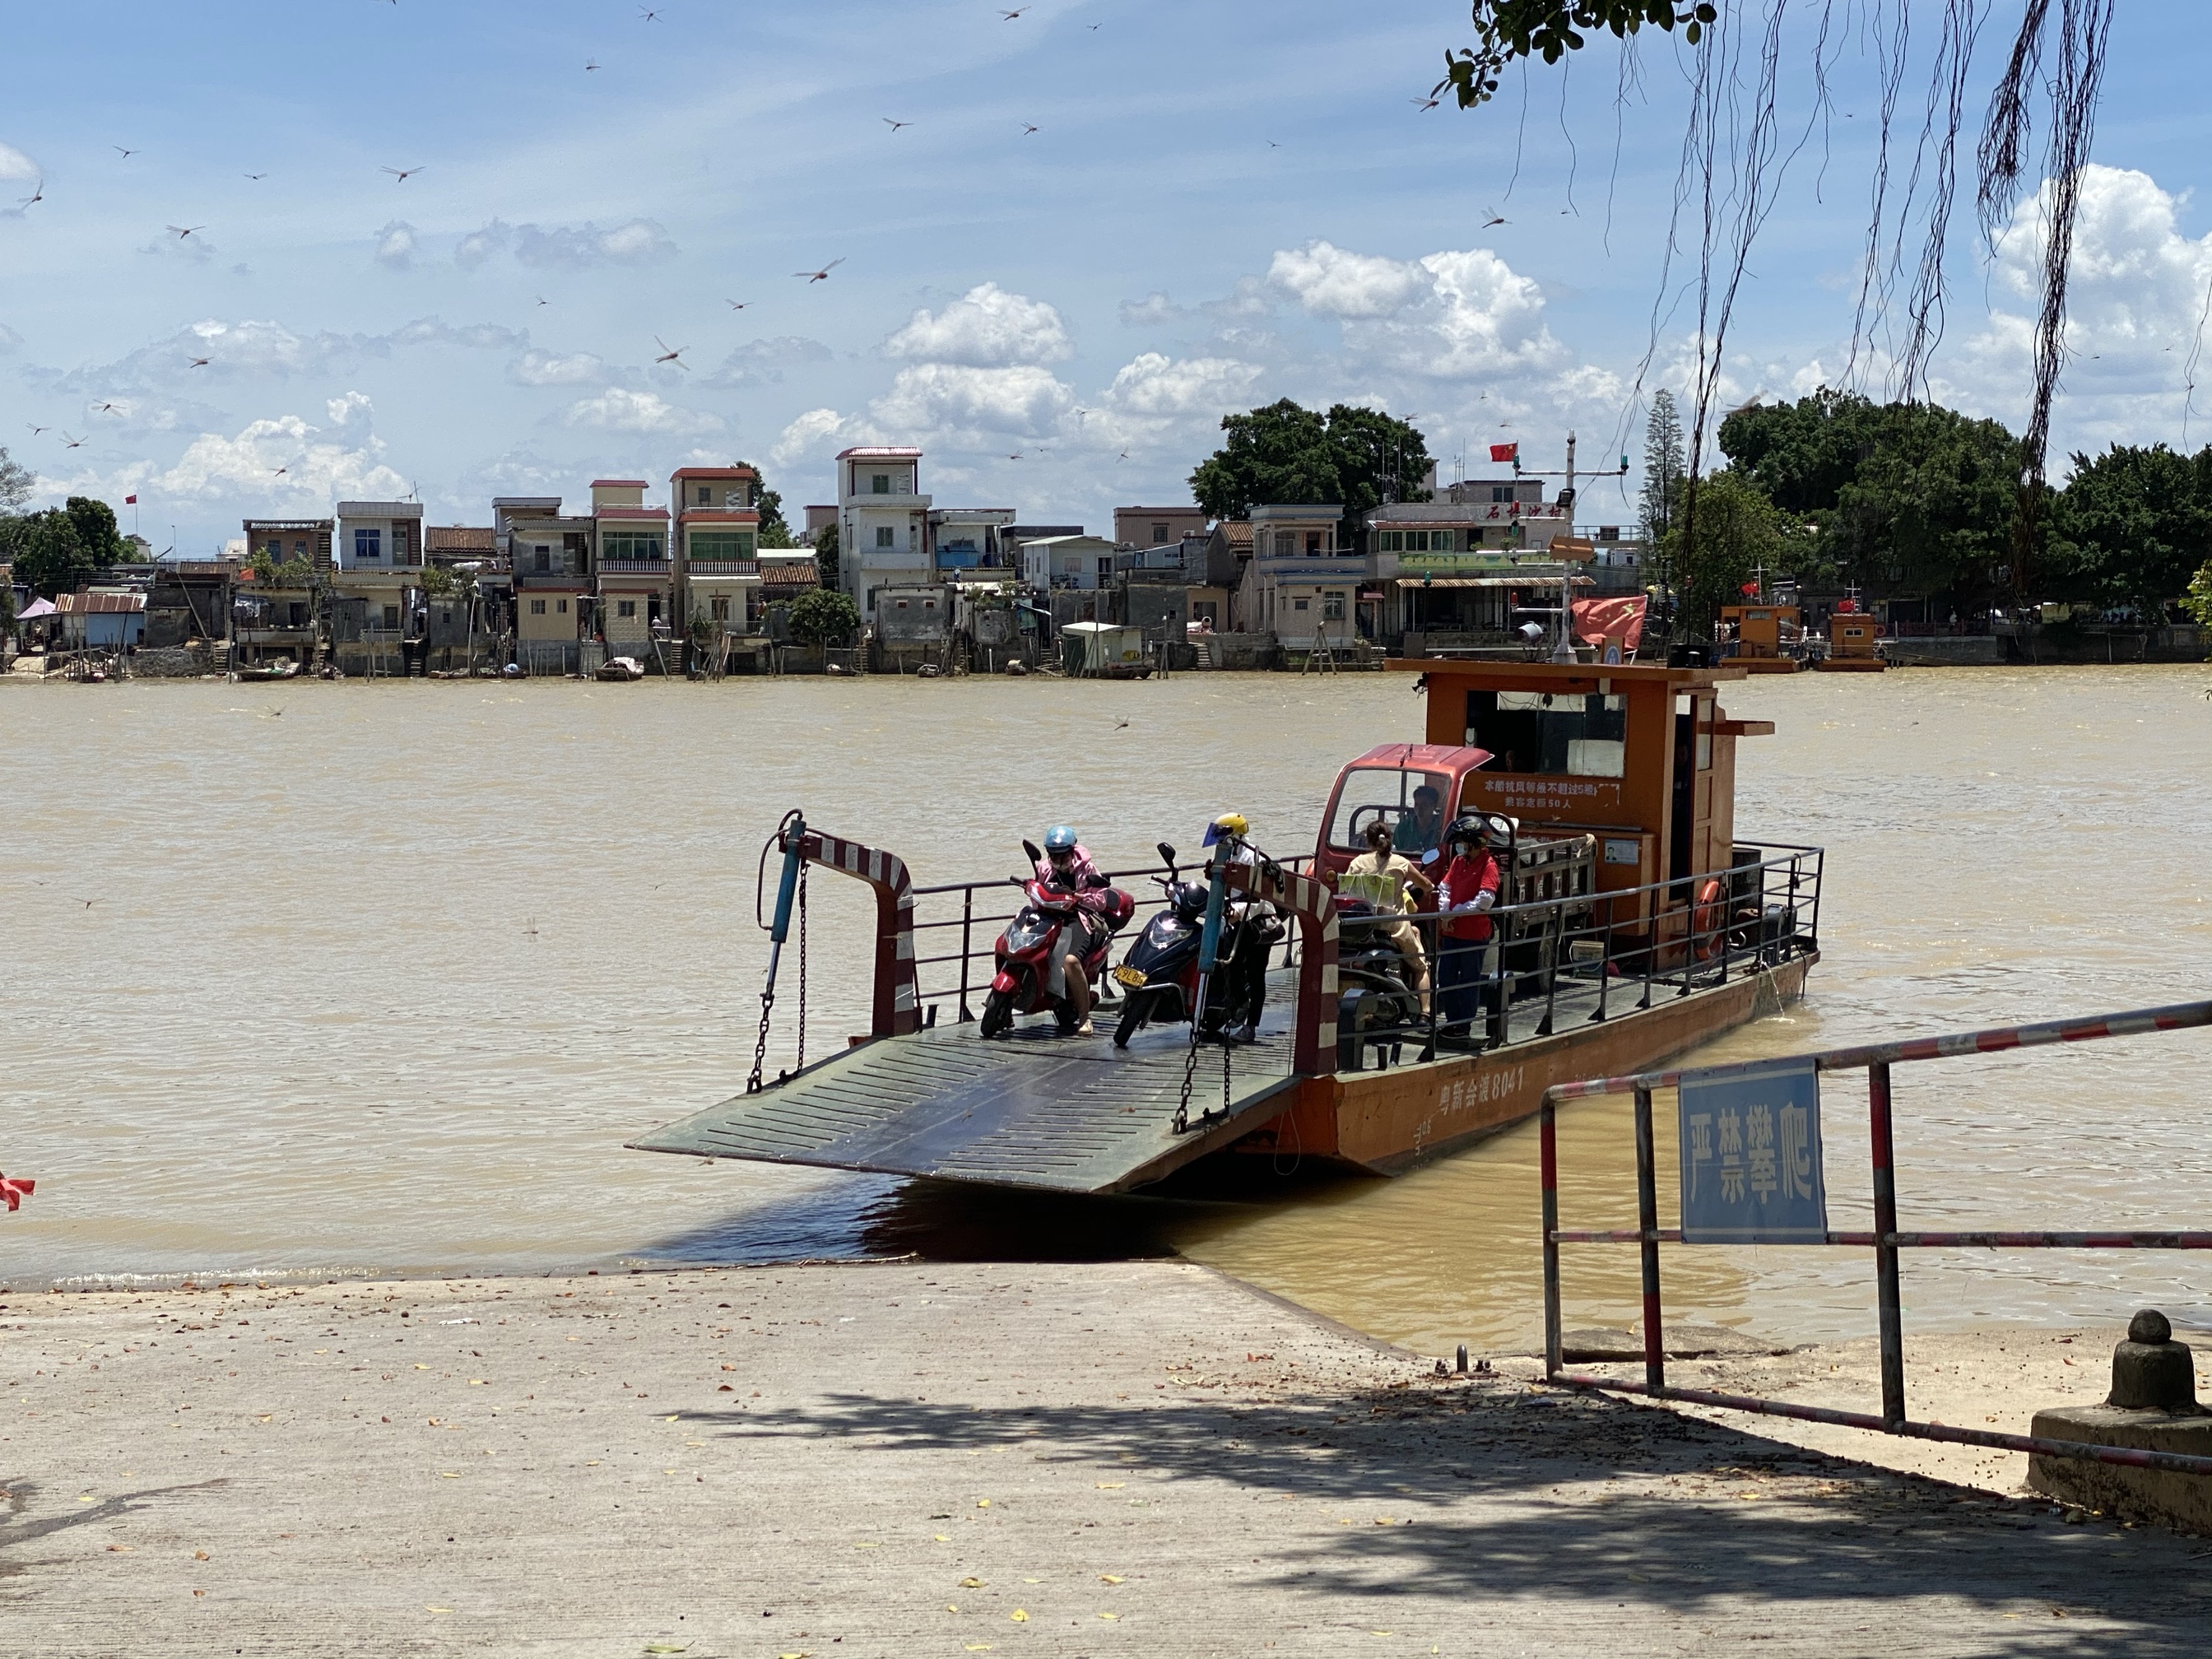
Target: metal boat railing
point(1590, 956)
point(1886, 1240)
point(1613, 952)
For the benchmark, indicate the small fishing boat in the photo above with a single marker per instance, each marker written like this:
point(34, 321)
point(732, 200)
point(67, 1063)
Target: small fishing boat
point(266, 671)
point(619, 668)
point(1633, 924)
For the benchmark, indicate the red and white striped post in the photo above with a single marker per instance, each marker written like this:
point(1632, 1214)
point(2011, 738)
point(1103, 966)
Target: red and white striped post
point(897, 1002)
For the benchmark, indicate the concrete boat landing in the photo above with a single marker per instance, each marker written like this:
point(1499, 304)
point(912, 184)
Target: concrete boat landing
point(1032, 1109)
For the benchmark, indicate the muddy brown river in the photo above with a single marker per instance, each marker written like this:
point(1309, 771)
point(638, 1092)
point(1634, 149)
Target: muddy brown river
point(305, 981)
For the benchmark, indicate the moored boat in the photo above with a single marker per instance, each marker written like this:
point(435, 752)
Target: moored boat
point(1633, 925)
point(619, 668)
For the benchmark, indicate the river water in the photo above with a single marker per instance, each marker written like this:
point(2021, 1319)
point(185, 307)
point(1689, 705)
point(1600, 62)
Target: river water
point(306, 981)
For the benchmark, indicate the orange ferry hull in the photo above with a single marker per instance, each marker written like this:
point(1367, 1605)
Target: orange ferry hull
point(1386, 1122)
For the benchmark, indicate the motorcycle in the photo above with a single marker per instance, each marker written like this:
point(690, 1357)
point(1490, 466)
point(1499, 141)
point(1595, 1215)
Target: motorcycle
point(1375, 992)
point(1158, 977)
point(1022, 983)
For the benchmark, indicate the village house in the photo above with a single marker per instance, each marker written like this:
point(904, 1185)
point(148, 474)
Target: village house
point(375, 592)
point(287, 541)
point(717, 534)
point(1153, 526)
point(882, 522)
point(967, 539)
point(548, 558)
point(101, 619)
point(1464, 563)
point(636, 578)
point(1300, 586)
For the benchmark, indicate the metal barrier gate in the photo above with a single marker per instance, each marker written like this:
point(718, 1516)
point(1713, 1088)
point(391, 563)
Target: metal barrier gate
point(1885, 1240)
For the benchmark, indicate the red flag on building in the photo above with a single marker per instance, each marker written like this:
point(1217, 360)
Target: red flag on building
point(1749, 590)
point(129, 501)
point(1506, 451)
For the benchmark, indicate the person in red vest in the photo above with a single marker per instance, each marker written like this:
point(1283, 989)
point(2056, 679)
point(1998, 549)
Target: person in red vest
point(1465, 894)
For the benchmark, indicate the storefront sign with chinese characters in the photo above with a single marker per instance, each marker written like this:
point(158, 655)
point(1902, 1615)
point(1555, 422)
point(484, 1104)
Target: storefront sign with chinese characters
point(1751, 1156)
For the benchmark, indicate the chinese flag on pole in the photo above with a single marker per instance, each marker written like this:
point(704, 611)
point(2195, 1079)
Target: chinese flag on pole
point(1749, 590)
point(1506, 451)
point(129, 501)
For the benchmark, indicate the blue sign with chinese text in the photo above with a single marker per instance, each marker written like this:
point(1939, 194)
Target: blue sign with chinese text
point(1751, 1156)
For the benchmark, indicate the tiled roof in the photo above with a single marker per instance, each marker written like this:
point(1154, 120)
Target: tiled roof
point(100, 604)
point(715, 472)
point(790, 573)
point(459, 538)
point(1238, 531)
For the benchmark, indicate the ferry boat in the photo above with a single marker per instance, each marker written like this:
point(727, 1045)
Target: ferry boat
point(1764, 638)
point(1633, 924)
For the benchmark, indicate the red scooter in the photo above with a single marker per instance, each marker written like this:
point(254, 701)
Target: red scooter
point(1032, 942)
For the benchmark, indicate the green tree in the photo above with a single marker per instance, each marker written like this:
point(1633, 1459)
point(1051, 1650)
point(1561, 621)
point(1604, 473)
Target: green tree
point(2197, 602)
point(1663, 467)
point(1507, 31)
point(825, 555)
point(1738, 532)
point(1283, 452)
point(2131, 526)
point(773, 532)
point(16, 483)
point(1907, 497)
point(823, 615)
point(47, 552)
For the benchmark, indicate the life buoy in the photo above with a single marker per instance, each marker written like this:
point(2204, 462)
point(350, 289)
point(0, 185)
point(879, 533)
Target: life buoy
point(1706, 918)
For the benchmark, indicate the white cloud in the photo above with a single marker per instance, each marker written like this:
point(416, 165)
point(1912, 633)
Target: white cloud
point(986, 328)
point(929, 398)
point(2136, 296)
point(1153, 309)
point(15, 165)
point(619, 410)
point(251, 347)
point(811, 437)
point(1156, 386)
point(395, 244)
point(639, 242)
point(479, 246)
point(1333, 281)
point(545, 368)
point(762, 363)
point(318, 464)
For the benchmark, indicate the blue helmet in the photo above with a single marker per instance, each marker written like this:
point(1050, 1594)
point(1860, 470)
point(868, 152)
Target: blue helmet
point(1060, 838)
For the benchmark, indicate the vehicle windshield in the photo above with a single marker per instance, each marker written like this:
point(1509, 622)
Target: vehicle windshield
point(1369, 793)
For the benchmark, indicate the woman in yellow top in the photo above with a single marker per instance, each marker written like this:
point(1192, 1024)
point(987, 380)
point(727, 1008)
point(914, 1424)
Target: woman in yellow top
point(1381, 877)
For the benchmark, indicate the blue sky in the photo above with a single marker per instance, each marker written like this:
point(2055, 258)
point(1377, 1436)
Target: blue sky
point(1222, 204)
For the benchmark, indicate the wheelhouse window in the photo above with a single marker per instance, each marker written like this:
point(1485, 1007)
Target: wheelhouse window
point(1573, 733)
point(1369, 793)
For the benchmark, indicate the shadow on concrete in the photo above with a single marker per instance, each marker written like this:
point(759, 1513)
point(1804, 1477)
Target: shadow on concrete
point(19, 1527)
point(1497, 1453)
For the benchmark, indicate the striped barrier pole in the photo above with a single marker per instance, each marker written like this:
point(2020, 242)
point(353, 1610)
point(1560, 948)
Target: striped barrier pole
point(897, 1003)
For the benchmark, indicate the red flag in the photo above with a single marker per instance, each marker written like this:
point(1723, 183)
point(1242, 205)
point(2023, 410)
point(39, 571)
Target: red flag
point(1749, 590)
point(1506, 451)
point(129, 501)
point(1597, 620)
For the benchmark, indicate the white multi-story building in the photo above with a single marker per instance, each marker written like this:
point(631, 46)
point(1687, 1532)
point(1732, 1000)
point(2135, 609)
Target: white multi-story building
point(882, 522)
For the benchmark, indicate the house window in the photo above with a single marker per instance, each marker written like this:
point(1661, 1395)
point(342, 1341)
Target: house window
point(718, 610)
point(561, 607)
point(1392, 541)
point(1313, 541)
point(706, 496)
point(1298, 604)
point(631, 544)
point(1285, 542)
point(368, 544)
point(625, 607)
point(299, 549)
point(882, 484)
point(299, 614)
point(882, 535)
point(1501, 492)
point(1159, 534)
point(399, 542)
point(391, 616)
point(721, 543)
point(544, 558)
point(1106, 568)
point(1332, 607)
point(275, 550)
point(537, 607)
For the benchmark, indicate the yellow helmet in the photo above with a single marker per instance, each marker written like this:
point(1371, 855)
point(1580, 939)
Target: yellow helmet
point(1229, 825)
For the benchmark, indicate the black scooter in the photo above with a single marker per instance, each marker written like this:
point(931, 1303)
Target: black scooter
point(1159, 976)
point(1374, 992)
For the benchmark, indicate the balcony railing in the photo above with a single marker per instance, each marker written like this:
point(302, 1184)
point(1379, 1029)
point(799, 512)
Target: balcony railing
point(634, 567)
point(723, 567)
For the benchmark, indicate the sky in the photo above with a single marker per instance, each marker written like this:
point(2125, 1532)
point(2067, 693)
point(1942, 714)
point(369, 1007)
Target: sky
point(1106, 223)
